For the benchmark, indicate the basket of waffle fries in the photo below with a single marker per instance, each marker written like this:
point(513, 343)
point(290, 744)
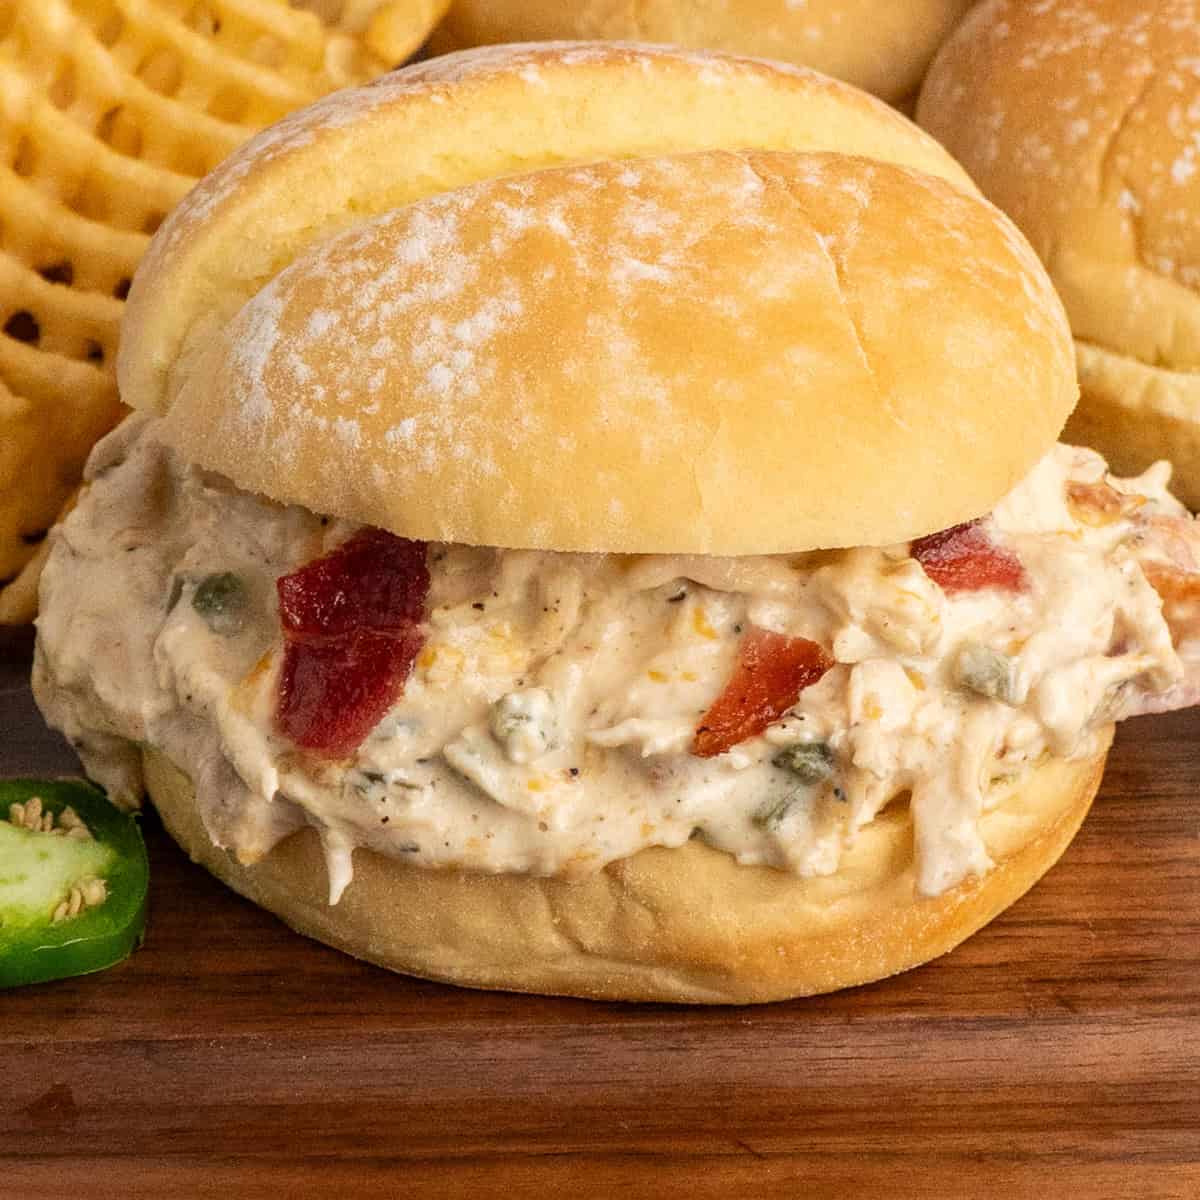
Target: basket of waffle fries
point(109, 111)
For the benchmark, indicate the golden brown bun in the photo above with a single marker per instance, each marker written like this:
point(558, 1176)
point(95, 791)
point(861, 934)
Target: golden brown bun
point(711, 353)
point(686, 925)
point(454, 121)
point(883, 48)
point(1079, 121)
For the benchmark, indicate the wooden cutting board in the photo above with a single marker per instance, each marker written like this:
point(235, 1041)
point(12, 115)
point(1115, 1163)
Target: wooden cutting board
point(1056, 1054)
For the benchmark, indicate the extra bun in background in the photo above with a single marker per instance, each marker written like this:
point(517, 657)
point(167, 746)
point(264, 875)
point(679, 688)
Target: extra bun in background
point(1082, 122)
point(883, 48)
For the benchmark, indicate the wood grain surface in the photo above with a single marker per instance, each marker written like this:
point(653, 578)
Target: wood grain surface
point(1056, 1054)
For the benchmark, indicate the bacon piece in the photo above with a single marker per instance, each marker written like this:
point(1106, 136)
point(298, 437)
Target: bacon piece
point(1171, 583)
point(332, 694)
point(1180, 593)
point(771, 672)
point(352, 630)
point(373, 581)
point(1100, 503)
point(964, 559)
point(1174, 539)
point(1167, 548)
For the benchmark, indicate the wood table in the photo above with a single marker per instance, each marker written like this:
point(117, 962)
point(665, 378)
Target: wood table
point(1056, 1054)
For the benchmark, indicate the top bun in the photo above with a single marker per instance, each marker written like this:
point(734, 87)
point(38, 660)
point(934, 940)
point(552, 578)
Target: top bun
point(693, 353)
point(1081, 121)
point(883, 48)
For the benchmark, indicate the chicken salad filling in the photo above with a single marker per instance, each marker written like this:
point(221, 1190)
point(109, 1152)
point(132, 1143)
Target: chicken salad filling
point(548, 713)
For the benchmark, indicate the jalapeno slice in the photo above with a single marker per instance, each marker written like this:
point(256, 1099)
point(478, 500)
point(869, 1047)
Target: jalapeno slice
point(73, 881)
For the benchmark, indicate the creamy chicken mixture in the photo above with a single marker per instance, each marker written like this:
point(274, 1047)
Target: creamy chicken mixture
point(548, 722)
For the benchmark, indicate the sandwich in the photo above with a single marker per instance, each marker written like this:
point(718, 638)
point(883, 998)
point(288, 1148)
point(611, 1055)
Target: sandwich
point(1078, 120)
point(648, 574)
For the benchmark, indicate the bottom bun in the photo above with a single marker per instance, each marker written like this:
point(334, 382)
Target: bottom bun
point(1134, 413)
point(686, 925)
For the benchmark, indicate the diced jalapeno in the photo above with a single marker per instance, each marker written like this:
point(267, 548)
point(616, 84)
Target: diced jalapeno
point(372, 784)
point(986, 672)
point(770, 816)
point(375, 785)
point(73, 881)
point(810, 762)
point(525, 724)
point(221, 600)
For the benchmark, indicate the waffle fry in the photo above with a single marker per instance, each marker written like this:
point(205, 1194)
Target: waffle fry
point(109, 112)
